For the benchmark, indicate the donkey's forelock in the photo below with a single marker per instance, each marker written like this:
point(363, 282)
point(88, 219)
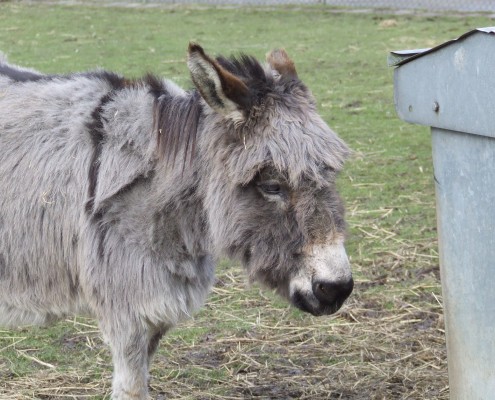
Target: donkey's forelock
point(258, 79)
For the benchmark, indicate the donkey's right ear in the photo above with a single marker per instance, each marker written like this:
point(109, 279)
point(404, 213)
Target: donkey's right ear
point(223, 91)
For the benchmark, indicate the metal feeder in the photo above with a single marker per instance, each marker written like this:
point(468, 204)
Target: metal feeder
point(451, 88)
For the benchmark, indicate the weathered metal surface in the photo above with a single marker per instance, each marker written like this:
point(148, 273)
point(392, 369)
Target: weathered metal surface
point(464, 168)
point(452, 89)
point(459, 78)
point(397, 58)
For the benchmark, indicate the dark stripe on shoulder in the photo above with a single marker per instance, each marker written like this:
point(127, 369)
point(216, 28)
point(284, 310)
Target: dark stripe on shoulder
point(96, 133)
point(96, 130)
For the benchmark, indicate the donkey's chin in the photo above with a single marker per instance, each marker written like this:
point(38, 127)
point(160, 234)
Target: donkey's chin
point(325, 297)
point(313, 306)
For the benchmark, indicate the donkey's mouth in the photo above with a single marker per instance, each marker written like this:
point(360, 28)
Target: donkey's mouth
point(300, 302)
point(318, 309)
point(326, 298)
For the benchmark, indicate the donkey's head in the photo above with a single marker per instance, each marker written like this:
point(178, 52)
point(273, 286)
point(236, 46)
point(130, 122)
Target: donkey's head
point(271, 163)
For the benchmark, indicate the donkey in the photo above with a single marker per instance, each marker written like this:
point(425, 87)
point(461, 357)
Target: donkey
point(117, 197)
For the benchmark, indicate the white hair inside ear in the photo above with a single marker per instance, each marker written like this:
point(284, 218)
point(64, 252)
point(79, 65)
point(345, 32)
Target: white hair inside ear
point(221, 90)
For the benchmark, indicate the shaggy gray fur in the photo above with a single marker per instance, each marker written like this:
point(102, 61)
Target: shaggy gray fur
point(117, 197)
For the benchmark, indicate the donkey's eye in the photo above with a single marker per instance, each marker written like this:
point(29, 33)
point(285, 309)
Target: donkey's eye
point(270, 188)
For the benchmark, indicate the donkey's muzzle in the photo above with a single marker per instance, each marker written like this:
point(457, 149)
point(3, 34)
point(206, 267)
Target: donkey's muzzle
point(332, 295)
point(327, 297)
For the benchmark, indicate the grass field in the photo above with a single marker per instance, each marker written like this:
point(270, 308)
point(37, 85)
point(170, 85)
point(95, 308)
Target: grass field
point(388, 341)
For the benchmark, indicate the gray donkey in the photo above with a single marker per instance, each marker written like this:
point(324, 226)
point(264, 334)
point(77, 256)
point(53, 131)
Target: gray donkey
point(118, 196)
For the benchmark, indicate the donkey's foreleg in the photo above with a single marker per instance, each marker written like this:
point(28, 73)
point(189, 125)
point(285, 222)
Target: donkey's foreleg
point(129, 345)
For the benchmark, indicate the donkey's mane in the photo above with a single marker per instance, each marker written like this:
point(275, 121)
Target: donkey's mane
point(175, 120)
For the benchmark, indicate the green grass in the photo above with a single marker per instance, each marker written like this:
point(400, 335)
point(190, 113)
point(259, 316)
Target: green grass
point(388, 342)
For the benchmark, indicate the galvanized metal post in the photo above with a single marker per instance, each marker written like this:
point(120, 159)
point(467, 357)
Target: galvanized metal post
point(464, 168)
point(452, 89)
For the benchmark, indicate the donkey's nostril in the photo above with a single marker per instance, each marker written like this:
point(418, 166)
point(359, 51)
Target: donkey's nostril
point(322, 288)
point(330, 293)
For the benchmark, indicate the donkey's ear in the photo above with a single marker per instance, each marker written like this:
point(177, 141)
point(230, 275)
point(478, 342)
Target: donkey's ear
point(223, 91)
point(280, 61)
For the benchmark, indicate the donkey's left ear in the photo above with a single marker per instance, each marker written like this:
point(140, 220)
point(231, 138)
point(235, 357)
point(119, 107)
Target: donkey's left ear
point(280, 61)
point(223, 91)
